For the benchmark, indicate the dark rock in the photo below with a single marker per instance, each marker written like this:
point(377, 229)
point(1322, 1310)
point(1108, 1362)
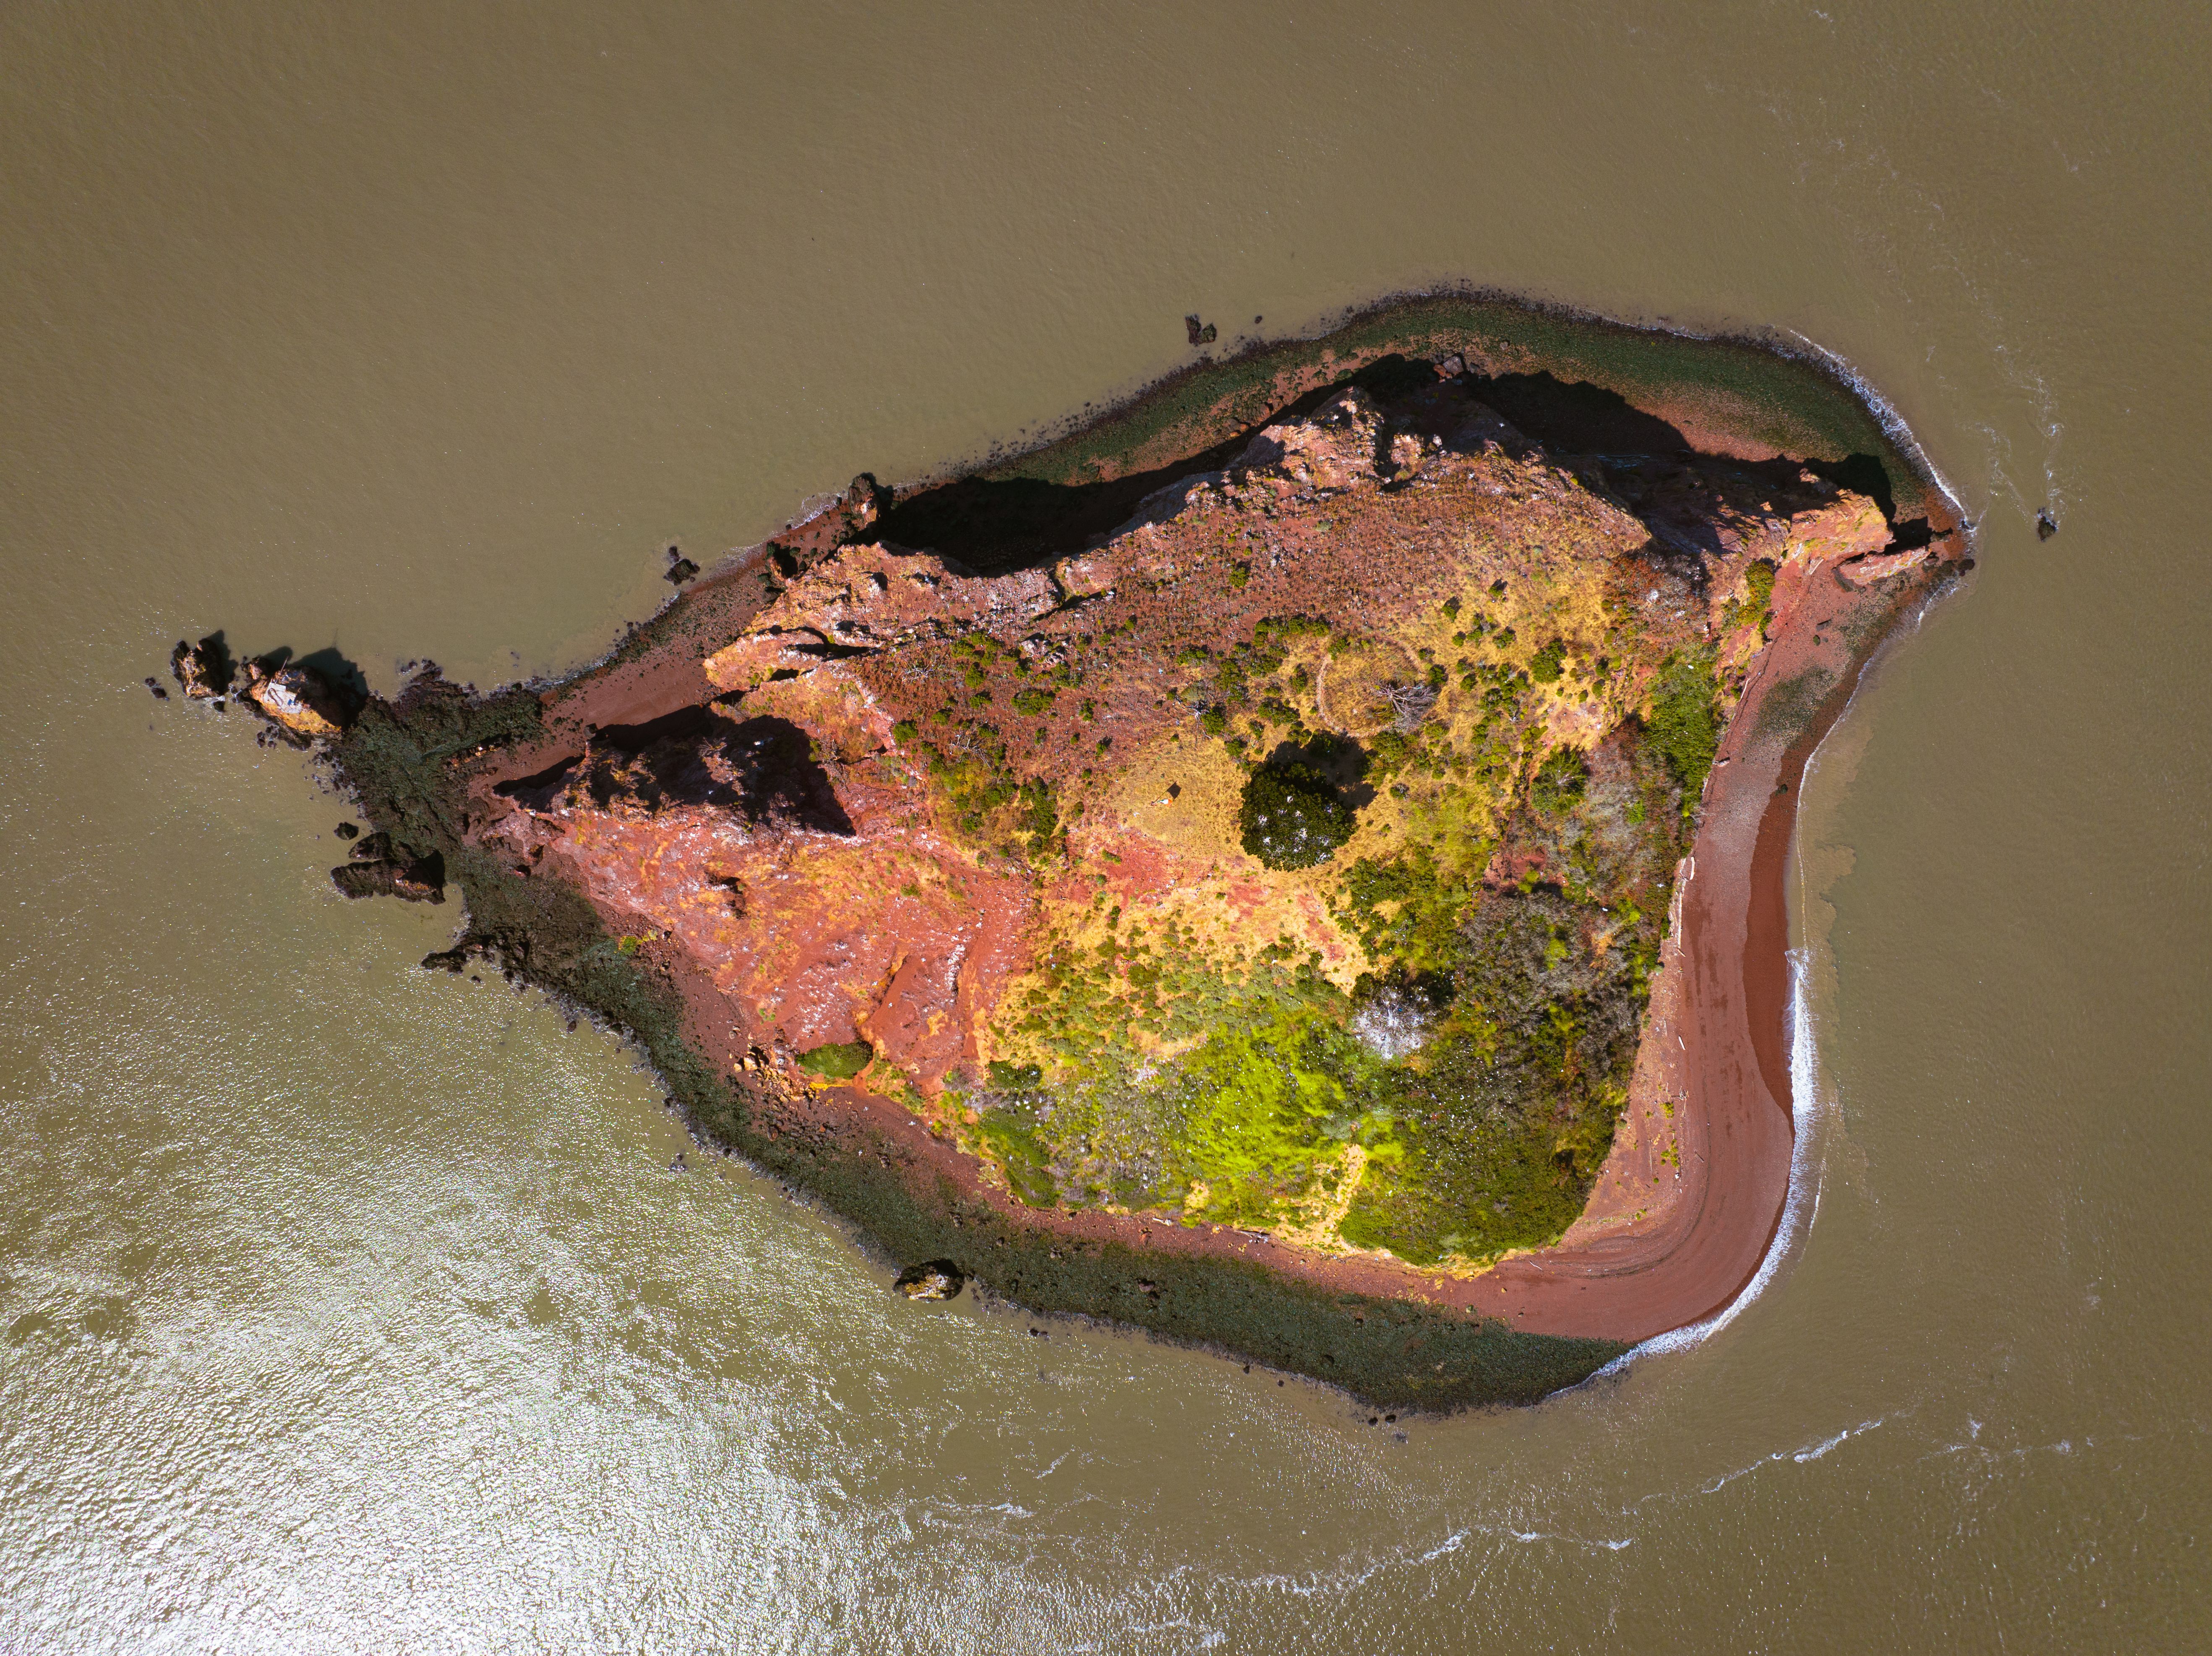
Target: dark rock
point(154, 685)
point(375, 848)
point(447, 960)
point(348, 831)
point(1202, 333)
point(680, 568)
point(418, 880)
point(933, 1279)
point(2045, 526)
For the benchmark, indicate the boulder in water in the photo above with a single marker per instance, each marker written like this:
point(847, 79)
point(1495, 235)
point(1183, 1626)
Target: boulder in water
point(204, 668)
point(933, 1279)
point(413, 879)
point(297, 700)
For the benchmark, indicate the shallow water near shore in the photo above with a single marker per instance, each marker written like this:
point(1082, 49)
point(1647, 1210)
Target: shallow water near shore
point(352, 1306)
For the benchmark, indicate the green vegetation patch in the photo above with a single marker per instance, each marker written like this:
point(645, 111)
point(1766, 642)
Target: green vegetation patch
point(1293, 816)
point(1685, 722)
point(839, 1061)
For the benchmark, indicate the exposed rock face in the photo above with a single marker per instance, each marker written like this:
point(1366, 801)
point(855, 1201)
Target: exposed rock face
point(996, 827)
point(296, 700)
point(1872, 566)
point(938, 1279)
point(203, 670)
point(377, 871)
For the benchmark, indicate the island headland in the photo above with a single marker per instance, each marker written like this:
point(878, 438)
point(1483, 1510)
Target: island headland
point(1294, 864)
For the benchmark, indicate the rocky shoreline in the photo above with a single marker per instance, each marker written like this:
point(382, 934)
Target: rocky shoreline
point(638, 838)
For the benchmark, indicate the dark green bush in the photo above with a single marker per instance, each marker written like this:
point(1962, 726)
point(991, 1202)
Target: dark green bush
point(1293, 816)
point(1685, 724)
point(1558, 788)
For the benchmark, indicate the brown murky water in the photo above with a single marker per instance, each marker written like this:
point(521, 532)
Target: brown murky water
point(348, 1307)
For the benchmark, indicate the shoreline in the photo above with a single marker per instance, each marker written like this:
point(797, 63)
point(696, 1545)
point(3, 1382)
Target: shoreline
point(1694, 1191)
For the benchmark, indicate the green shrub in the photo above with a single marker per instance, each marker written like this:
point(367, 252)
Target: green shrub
point(837, 1062)
point(1685, 724)
point(1293, 816)
point(1544, 665)
point(1558, 788)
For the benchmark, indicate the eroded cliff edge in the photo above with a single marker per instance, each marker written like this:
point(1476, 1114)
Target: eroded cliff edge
point(1265, 878)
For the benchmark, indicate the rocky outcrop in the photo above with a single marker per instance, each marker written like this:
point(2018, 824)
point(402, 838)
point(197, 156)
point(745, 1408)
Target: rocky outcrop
point(1012, 839)
point(297, 700)
point(377, 870)
point(203, 670)
point(936, 1279)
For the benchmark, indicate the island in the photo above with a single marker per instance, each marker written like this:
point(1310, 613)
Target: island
point(1294, 863)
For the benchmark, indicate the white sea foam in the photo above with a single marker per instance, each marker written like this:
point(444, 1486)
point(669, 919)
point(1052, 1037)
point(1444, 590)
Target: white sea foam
point(1893, 423)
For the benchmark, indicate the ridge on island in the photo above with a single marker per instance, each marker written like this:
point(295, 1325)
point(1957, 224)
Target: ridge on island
point(1294, 865)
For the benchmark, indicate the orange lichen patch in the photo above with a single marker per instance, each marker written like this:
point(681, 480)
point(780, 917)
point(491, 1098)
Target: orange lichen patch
point(296, 698)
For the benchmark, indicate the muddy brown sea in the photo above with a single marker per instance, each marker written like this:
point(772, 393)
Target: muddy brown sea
point(347, 1307)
